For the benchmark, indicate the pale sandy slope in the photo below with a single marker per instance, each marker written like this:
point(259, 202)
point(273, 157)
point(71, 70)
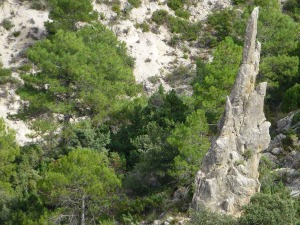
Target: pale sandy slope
point(31, 25)
point(154, 56)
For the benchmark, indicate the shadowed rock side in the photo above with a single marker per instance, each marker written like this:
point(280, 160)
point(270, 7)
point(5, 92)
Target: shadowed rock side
point(229, 173)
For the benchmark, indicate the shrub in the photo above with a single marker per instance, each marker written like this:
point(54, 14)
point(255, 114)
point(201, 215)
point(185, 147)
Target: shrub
point(144, 26)
point(183, 13)
point(222, 23)
point(271, 182)
point(296, 118)
point(38, 5)
point(5, 77)
point(180, 74)
point(267, 209)
point(292, 7)
point(135, 3)
point(65, 14)
point(116, 8)
point(7, 24)
point(25, 67)
point(191, 32)
point(154, 79)
point(267, 3)
point(16, 33)
point(188, 31)
point(177, 25)
point(108, 222)
point(5, 72)
point(238, 2)
point(175, 4)
point(210, 218)
point(174, 40)
point(291, 99)
point(208, 40)
point(160, 16)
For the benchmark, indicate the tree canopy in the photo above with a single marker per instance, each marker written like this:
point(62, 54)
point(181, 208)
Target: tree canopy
point(66, 13)
point(86, 73)
point(76, 182)
point(214, 80)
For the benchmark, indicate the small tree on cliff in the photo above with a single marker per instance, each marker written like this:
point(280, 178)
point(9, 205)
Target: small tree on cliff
point(66, 13)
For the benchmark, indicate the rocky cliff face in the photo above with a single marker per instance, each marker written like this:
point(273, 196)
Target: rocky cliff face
point(284, 153)
point(229, 173)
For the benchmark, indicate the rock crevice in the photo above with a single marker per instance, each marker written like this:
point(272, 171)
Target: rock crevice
point(229, 173)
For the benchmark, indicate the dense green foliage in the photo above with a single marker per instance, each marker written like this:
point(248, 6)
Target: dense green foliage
point(186, 30)
point(291, 100)
point(267, 209)
point(210, 218)
point(80, 74)
point(107, 154)
point(292, 8)
point(144, 141)
point(80, 185)
point(279, 63)
point(66, 13)
point(214, 80)
point(263, 209)
point(176, 4)
point(135, 3)
point(192, 142)
point(159, 16)
point(9, 150)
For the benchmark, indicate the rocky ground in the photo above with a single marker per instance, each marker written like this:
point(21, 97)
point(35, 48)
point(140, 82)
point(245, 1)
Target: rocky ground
point(154, 56)
point(21, 27)
point(284, 152)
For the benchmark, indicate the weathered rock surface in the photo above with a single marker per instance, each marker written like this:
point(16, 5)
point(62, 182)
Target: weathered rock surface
point(284, 152)
point(285, 123)
point(229, 173)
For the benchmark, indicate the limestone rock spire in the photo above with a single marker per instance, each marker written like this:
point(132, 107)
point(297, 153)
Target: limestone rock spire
point(229, 173)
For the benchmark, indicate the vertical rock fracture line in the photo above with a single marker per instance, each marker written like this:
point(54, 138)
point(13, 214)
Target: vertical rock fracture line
point(229, 172)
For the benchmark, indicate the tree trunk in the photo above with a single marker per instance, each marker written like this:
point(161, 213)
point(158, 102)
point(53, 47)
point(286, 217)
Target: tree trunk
point(83, 210)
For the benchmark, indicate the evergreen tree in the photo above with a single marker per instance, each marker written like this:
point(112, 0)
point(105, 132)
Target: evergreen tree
point(79, 74)
point(9, 150)
point(214, 80)
point(191, 139)
point(79, 185)
point(66, 13)
point(279, 64)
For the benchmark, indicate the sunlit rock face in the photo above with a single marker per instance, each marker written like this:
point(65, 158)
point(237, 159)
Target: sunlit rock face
point(229, 174)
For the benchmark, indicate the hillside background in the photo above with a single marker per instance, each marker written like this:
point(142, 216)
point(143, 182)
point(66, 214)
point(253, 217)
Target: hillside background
point(109, 106)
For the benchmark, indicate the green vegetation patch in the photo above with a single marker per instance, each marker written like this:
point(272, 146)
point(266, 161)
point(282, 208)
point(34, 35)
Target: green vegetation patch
point(7, 24)
point(292, 8)
point(135, 3)
point(183, 13)
point(145, 27)
point(188, 31)
point(6, 77)
point(160, 16)
point(291, 100)
point(176, 4)
point(84, 73)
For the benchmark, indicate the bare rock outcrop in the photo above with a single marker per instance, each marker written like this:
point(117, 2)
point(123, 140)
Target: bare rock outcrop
point(229, 173)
